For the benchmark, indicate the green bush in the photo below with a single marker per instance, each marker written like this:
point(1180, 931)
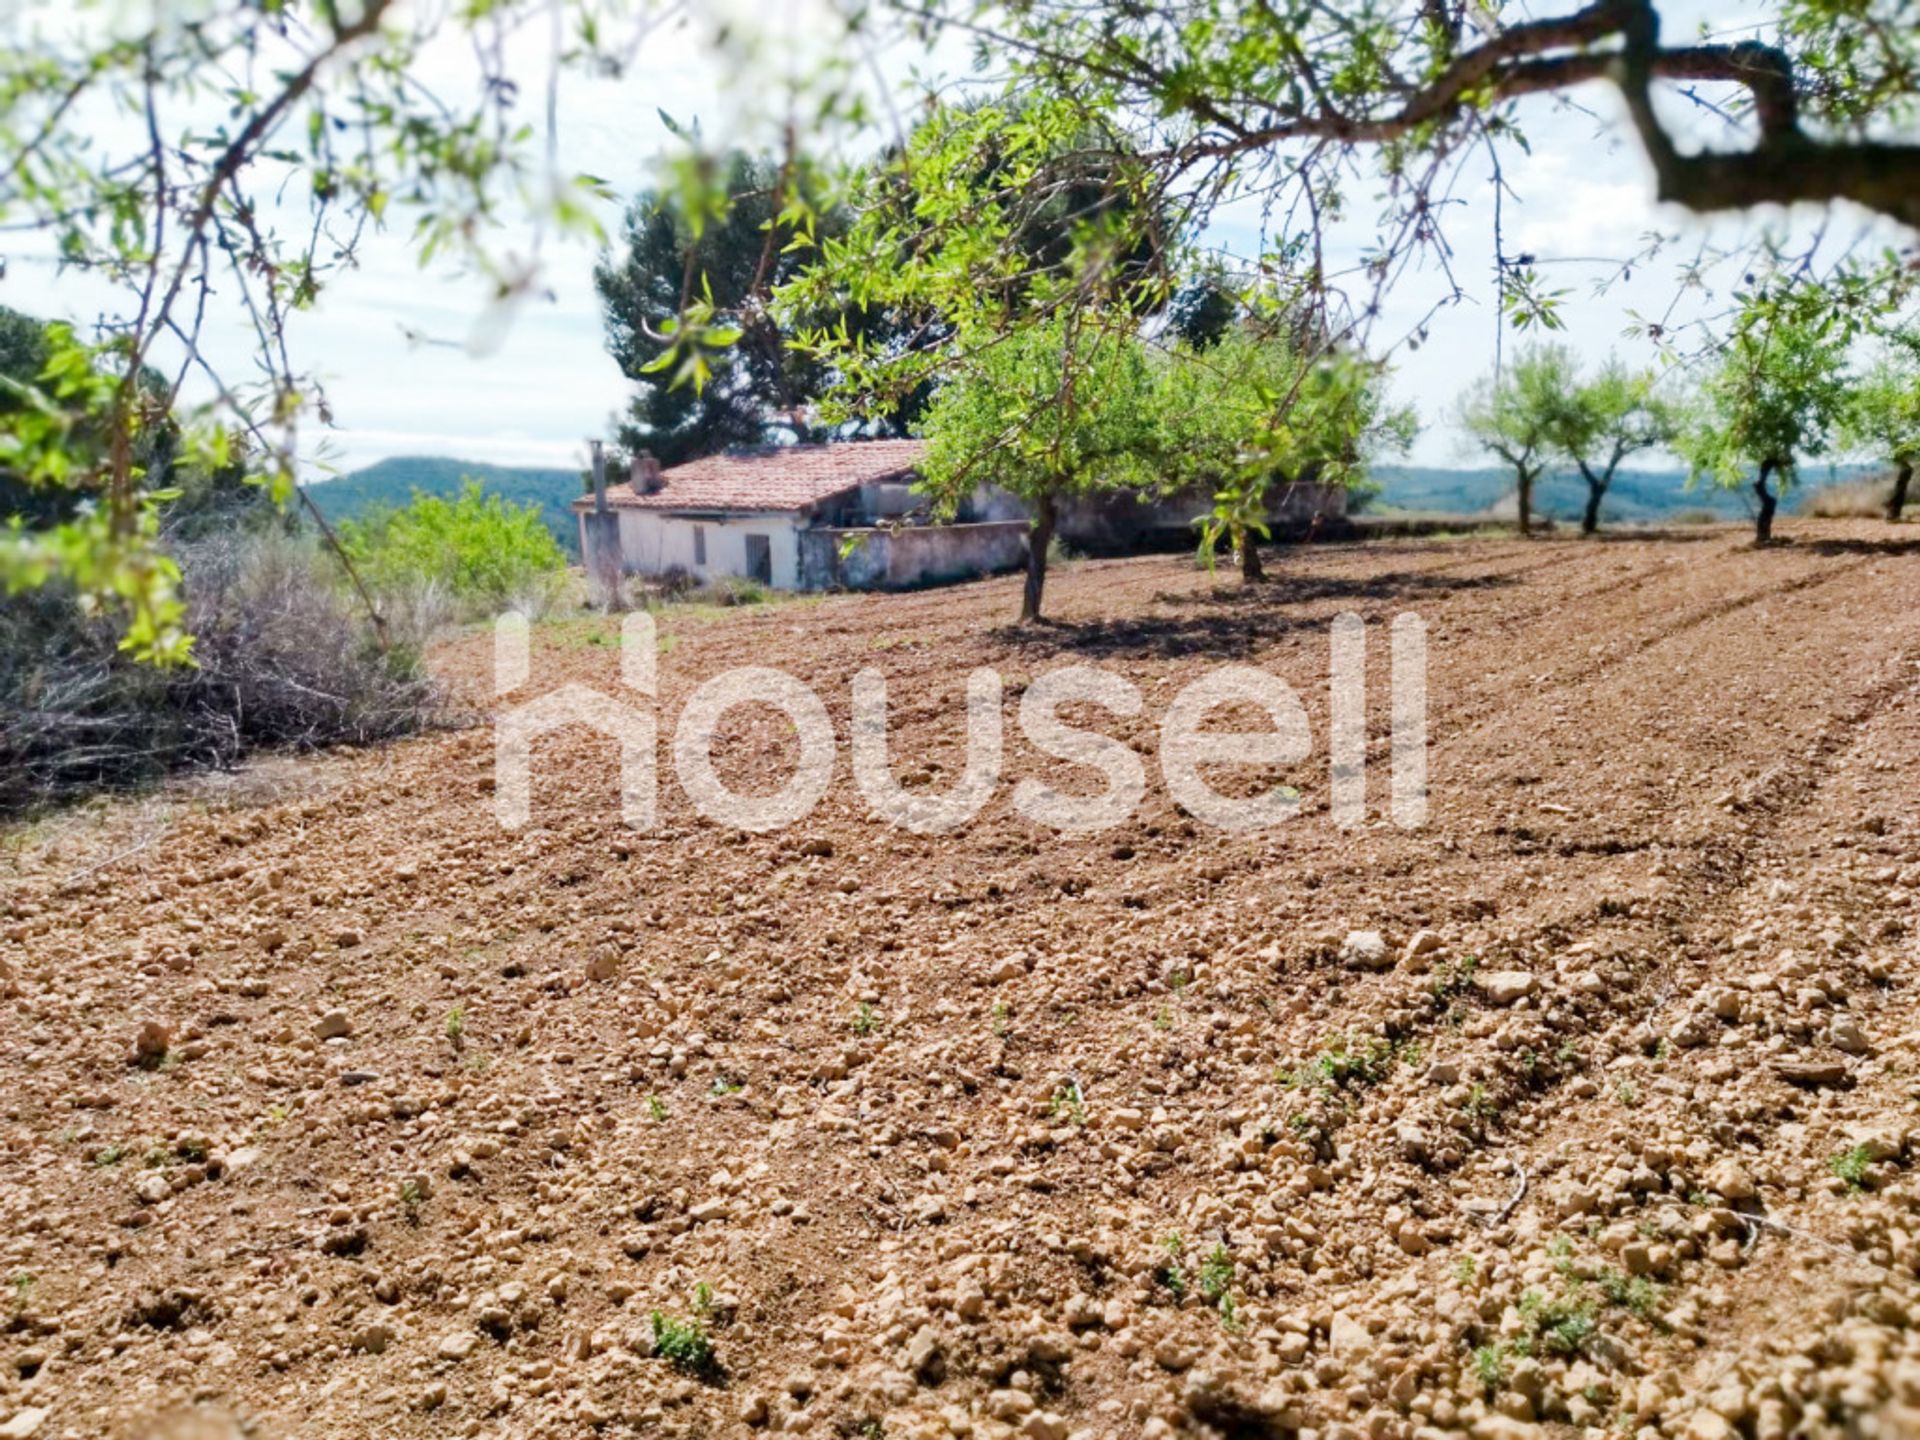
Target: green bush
point(483, 553)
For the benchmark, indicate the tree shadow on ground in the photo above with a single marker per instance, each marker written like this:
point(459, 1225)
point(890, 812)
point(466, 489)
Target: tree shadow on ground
point(1230, 622)
point(1854, 546)
point(1665, 536)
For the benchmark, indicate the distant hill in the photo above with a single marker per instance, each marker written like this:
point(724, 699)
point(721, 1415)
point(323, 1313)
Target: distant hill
point(1635, 497)
point(393, 481)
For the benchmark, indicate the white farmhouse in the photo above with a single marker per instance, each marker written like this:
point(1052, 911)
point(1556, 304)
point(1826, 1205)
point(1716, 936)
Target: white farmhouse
point(845, 515)
point(796, 517)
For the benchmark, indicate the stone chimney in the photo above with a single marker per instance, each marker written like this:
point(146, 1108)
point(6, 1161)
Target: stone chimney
point(599, 477)
point(643, 474)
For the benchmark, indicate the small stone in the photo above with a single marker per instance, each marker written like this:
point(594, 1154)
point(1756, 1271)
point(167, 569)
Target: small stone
point(969, 1300)
point(1365, 950)
point(1846, 1036)
point(457, 1345)
point(1350, 1338)
point(348, 938)
point(24, 1423)
point(1812, 1073)
point(1879, 1142)
point(334, 1025)
point(1174, 1353)
point(1418, 953)
point(1505, 987)
point(150, 1044)
point(152, 1188)
point(1010, 1404)
point(1412, 1140)
point(1504, 1427)
point(1576, 1199)
point(604, 965)
point(924, 1360)
point(1729, 1179)
point(373, 1339)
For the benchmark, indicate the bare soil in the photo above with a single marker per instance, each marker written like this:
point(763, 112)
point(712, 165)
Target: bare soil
point(1006, 1132)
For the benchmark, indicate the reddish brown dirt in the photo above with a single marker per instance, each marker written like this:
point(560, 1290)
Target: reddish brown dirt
point(1559, 1169)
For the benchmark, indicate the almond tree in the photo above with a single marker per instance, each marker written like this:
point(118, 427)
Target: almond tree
point(1050, 412)
point(1257, 411)
point(1603, 421)
point(1883, 416)
point(1518, 415)
point(1778, 388)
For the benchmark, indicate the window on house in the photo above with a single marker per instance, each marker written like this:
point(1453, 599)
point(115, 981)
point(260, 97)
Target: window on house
point(699, 544)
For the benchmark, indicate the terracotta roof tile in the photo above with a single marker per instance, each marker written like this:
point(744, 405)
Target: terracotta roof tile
point(787, 477)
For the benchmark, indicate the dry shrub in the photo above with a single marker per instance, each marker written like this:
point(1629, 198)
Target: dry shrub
point(416, 613)
point(603, 594)
point(283, 660)
point(1850, 499)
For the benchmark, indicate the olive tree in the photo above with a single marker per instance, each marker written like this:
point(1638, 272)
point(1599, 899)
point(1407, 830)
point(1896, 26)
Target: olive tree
point(1883, 417)
point(1775, 391)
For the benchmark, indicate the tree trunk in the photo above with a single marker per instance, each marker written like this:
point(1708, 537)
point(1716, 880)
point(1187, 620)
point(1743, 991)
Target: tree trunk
point(1524, 495)
point(1596, 492)
point(1250, 568)
point(1769, 502)
point(1039, 538)
point(1898, 500)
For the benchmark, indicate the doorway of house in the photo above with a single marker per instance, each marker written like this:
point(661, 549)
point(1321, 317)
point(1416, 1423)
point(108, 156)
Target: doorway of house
point(760, 558)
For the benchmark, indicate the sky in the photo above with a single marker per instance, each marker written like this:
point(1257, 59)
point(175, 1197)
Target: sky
point(415, 364)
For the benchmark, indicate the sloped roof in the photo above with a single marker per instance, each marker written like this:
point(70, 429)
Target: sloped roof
point(785, 477)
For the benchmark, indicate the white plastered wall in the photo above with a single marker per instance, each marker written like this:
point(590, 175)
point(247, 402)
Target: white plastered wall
point(652, 543)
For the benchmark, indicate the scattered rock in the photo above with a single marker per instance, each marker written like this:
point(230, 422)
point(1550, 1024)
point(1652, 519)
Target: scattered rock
point(1349, 1338)
point(1365, 950)
point(334, 1025)
point(1506, 987)
point(457, 1345)
point(152, 1188)
point(604, 965)
point(1417, 955)
point(150, 1044)
point(1729, 1179)
point(1813, 1074)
